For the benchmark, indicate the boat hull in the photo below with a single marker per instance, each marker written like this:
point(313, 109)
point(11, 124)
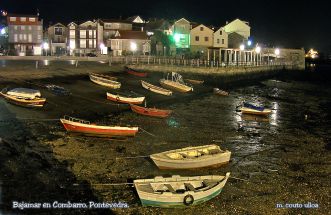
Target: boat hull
point(175, 199)
point(192, 81)
point(265, 112)
point(101, 131)
point(153, 112)
point(126, 100)
point(175, 86)
point(39, 102)
point(203, 162)
point(105, 82)
point(156, 89)
point(135, 73)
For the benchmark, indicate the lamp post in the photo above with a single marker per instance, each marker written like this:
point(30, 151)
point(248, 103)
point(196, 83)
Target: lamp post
point(258, 51)
point(102, 47)
point(133, 47)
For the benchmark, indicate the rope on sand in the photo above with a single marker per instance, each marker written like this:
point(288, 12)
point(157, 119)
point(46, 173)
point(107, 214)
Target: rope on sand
point(147, 132)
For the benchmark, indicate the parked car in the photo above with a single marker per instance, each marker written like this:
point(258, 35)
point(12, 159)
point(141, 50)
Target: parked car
point(91, 55)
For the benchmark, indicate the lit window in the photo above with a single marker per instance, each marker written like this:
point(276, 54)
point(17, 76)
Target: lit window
point(83, 43)
point(23, 19)
point(82, 34)
point(12, 19)
point(32, 19)
point(58, 31)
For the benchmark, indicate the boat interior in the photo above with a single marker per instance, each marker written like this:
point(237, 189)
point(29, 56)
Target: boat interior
point(72, 119)
point(194, 153)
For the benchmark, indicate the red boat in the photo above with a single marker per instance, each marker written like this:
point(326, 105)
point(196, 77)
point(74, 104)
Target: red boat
point(85, 127)
point(135, 72)
point(150, 111)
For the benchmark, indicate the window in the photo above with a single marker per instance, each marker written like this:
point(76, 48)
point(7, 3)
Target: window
point(90, 33)
point(72, 33)
point(95, 44)
point(25, 37)
point(206, 39)
point(20, 36)
point(30, 38)
point(82, 44)
point(221, 32)
point(15, 37)
point(32, 19)
point(90, 45)
point(82, 33)
point(196, 38)
point(12, 19)
point(22, 27)
point(218, 41)
point(94, 33)
point(201, 28)
point(58, 31)
point(222, 41)
point(39, 37)
point(23, 19)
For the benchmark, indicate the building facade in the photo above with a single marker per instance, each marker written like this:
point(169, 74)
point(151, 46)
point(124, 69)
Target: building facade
point(110, 26)
point(25, 34)
point(238, 32)
point(130, 43)
point(57, 38)
point(181, 34)
point(220, 39)
point(201, 38)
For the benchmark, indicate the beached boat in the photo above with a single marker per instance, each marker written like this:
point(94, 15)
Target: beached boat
point(135, 72)
point(156, 89)
point(217, 91)
point(154, 112)
point(176, 83)
point(85, 127)
point(24, 97)
point(57, 90)
point(104, 76)
point(105, 81)
point(125, 99)
point(179, 191)
point(252, 109)
point(193, 81)
point(192, 157)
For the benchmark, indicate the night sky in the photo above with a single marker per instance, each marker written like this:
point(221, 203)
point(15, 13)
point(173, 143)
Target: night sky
point(288, 24)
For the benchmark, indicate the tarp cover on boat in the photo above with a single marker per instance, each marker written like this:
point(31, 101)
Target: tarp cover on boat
point(248, 105)
point(24, 92)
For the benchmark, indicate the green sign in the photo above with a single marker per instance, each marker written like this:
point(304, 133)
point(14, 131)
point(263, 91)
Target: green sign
point(182, 40)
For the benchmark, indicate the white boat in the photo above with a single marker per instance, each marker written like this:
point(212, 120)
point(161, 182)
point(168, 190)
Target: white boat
point(176, 83)
point(125, 99)
point(156, 89)
point(105, 81)
point(192, 157)
point(23, 97)
point(177, 191)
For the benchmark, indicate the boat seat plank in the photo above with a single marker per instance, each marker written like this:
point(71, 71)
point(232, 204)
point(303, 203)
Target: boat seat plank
point(214, 151)
point(209, 183)
point(170, 188)
point(190, 187)
point(202, 152)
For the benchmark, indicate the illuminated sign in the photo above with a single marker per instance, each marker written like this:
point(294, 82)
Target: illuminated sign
point(182, 40)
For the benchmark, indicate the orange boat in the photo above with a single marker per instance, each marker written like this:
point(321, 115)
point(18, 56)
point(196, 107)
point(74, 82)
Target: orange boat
point(85, 127)
point(150, 111)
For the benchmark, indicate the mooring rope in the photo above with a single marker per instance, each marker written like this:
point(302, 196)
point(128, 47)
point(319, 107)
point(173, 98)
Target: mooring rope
point(147, 132)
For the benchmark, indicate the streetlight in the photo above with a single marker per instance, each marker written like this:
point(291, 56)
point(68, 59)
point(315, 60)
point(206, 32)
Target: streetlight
point(249, 42)
point(242, 47)
point(133, 46)
point(45, 47)
point(277, 52)
point(102, 47)
point(258, 49)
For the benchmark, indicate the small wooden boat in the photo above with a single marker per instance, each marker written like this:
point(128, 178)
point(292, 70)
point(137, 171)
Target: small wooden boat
point(176, 83)
point(192, 157)
point(150, 111)
point(217, 91)
point(23, 97)
point(104, 76)
point(124, 99)
point(252, 109)
point(105, 81)
point(177, 191)
point(85, 127)
point(175, 86)
point(135, 72)
point(156, 89)
point(193, 81)
point(57, 90)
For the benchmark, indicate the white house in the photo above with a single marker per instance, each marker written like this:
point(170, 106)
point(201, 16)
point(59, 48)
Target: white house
point(220, 38)
point(238, 26)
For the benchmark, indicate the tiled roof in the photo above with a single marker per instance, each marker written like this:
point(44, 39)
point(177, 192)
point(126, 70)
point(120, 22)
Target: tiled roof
point(140, 35)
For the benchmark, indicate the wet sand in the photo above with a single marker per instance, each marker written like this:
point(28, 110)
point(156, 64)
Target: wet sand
point(282, 159)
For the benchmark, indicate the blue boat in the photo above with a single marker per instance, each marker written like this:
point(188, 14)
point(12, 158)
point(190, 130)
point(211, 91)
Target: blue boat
point(248, 105)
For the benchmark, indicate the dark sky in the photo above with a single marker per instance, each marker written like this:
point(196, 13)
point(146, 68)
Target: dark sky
point(282, 23)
